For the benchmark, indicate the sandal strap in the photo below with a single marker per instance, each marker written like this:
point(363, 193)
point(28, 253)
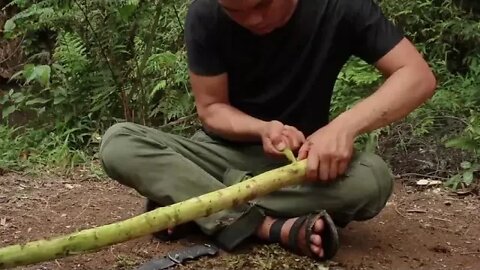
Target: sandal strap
point(294, 234)
point(275, 234)
point(330, 241)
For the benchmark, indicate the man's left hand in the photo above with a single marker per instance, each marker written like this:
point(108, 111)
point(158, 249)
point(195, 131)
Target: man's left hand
point(328, 152)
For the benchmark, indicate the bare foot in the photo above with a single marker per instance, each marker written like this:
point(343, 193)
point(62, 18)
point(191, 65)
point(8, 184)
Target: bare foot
point(263, 232)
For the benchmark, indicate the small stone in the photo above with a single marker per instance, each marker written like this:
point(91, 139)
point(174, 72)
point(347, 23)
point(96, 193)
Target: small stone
point(422, 182)
point(448, 203)
point(69, 186)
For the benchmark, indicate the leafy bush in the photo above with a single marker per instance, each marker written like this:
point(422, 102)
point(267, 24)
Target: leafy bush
point(111, 60)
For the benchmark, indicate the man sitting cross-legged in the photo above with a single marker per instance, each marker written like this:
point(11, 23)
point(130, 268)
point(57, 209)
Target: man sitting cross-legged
point(263, 72)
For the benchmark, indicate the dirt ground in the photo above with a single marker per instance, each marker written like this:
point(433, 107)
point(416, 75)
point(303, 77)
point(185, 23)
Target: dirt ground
point(427, 228)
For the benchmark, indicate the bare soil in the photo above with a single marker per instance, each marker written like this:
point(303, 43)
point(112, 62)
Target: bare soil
point(427, 228)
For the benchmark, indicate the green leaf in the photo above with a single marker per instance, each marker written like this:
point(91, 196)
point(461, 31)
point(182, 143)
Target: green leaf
point(453, 181)
point(40, 110)
point(29, 72)
point(18, 97)
point(160, 86)
point(3, 99)
point(37, 101)
point(461, 143)
point(9, 25)
point(40, 73)
point(58, 99)
point(8, 110)
point(468, 178)
point(126, 11)
point(466, 165)
point(43, 74)
point(475, 167)
point(16, 74)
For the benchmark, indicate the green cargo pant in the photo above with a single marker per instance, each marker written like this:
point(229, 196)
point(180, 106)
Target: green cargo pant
point(167, 168)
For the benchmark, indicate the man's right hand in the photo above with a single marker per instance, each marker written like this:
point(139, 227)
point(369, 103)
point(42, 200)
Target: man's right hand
point(276, 137)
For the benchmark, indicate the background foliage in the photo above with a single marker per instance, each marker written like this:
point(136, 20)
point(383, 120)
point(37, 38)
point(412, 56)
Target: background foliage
point(92, 63)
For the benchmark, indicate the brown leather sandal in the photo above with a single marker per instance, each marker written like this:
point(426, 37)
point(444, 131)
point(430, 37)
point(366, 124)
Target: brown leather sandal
point(329, 235)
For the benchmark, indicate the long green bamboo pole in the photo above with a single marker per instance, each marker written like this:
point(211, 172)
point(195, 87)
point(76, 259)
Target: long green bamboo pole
point(159, 219)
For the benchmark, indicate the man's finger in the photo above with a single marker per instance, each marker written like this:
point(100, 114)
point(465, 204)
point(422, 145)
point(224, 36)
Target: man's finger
point(300, 138)
point(293, 139)
point(276, 137)
point(324, 168)
point(270, 148)
point(333, 173)
point(312, 167)
point(303, 152)
point(297, 134)
point(288, 138)
point(342, 167)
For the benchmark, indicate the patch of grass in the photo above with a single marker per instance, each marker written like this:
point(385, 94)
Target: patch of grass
point(34, 149)
point(263, 257)
point(125, 262)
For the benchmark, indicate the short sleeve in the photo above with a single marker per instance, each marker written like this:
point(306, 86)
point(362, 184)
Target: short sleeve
point(373, 35)
point(201, 38)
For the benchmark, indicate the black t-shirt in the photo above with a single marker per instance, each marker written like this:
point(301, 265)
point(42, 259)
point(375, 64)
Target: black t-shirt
point(288, 74)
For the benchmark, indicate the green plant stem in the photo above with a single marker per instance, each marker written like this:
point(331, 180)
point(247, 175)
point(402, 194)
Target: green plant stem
point(109, 65)
point(154, 221)
point(143, 62)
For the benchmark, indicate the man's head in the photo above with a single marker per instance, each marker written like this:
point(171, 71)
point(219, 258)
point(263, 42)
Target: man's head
point(259, 16)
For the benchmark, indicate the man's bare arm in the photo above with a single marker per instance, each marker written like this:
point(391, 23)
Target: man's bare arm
point(410, 82)
point(216, 113)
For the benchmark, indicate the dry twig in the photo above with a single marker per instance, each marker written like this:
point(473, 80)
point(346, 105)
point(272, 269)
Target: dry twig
point(418, 211)
point(442, 219)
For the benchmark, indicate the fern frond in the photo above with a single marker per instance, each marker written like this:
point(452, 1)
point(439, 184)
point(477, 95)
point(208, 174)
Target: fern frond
point(71, 53)
point(173, 105)
point(161, 62)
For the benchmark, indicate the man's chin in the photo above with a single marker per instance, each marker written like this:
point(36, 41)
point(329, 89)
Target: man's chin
point(261, 32)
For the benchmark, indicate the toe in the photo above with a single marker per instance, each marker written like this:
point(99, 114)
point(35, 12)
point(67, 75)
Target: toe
point(316, 249)
point(316, 239)
point(319, 226)
point(321, 253)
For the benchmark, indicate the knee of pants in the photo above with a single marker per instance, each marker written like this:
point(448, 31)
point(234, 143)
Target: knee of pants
point(124, 129)
point(374, 185)
point(116, 151)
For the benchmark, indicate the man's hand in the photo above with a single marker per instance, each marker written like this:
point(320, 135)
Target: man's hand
point(328, 152)
point(277, 136)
